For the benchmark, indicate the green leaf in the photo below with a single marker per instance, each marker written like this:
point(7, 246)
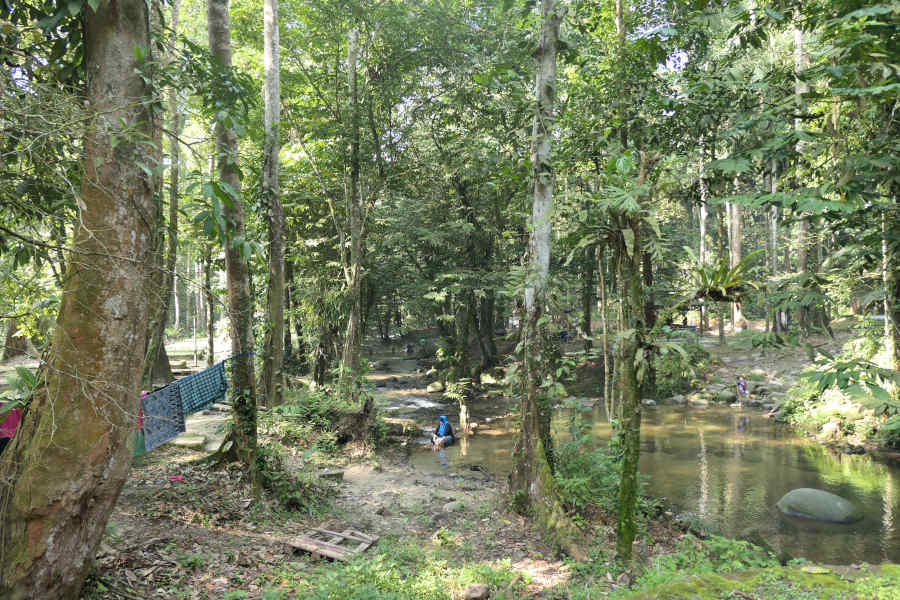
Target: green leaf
point(628, 234)
point(774, 14)
point(75, 7)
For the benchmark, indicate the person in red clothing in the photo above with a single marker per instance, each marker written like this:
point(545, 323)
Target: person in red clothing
point(9, 422)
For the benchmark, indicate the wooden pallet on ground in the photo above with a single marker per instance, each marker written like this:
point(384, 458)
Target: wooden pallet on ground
point(330, 543)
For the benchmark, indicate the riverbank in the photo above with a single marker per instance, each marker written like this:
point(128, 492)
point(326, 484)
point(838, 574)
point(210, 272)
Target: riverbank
point(183, 529)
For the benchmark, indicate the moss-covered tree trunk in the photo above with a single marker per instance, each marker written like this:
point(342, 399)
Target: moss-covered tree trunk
point(64, 469)
point(240, 305)
point(272, 381)
point(350, 357)
point(531, 481)
point(631, 347)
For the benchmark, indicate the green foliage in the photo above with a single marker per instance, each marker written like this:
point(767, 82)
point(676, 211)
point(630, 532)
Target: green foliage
point(720, 281)
point(695, 557)
point(587, 479)
point(296, 490)
point(22, 387)
point(677, 360)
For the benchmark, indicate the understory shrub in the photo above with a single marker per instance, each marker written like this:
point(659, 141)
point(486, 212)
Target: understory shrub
point(298, 491)
point(679, 360)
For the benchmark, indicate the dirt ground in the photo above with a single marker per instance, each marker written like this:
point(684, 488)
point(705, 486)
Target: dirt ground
point(187, 530)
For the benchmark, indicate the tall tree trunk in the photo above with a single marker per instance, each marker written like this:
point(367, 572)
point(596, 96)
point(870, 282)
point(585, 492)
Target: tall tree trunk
point(240, 304)
point(288, 303)
point(350, 357)
point(607, 357)
point(735, 239)
point(773, 236)
point(632, 311)
point(210, 306)
point(648, 385)
point(703, 251)
point(157, 371)
point(801, 62)
point(589, 267)
point(889, 267)
point(721, 243)
point(63, 471)
point(531, 480)
point(272, 382)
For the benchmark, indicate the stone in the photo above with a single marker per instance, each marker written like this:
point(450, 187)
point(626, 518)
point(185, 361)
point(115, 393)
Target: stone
point(453, 506)
point(332, 475)
point(190, 440)
point(678, 399)
point(726, 396)
point(648, 402)
point(698, 401)
point(829, 431)
point(435, 387)
point(819, 505)
point(476, 591)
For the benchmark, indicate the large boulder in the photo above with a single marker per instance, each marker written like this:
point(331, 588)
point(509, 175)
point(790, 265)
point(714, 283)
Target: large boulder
point(435, 387)
point(819, 505)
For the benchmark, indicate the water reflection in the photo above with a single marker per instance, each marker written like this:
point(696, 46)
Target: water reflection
point(730, 467)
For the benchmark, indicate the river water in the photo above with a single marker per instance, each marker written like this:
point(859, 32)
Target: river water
point(729, 467)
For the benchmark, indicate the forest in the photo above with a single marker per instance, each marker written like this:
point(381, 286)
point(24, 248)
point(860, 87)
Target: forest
point(641, 255)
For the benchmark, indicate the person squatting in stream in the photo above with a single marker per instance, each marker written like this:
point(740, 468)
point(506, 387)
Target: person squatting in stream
point(443, 433)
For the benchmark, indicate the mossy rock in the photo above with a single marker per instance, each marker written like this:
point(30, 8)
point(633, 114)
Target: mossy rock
point(726, 396)
point(757, 374)
point(819, 505)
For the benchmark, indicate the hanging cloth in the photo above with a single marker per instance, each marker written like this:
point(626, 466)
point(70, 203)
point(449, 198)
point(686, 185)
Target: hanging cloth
point(201, 390)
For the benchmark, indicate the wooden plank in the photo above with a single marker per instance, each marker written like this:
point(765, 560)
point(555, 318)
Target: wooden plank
point(323, 548)
point(353, 535)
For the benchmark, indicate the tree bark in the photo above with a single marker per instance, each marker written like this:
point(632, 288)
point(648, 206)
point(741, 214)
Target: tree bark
point(210, 306)
point(240, 304)
point(630, 348)
point(735, 239)
point(588, 298)
point(272, 382)
point(63, 471)
point(531, 481)
point(350, 357)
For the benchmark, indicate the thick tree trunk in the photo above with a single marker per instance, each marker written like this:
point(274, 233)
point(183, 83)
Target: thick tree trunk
point(531, 481)
point(607, 357)
point(14, 345)
point(350, 357)
point(272, 381)
point(240, 304)
point(63, 471)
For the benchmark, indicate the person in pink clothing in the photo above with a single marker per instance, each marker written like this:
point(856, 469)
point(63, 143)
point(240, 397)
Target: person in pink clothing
point(9, 421)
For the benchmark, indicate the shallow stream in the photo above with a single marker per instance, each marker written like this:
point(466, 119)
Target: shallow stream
point(729, 467)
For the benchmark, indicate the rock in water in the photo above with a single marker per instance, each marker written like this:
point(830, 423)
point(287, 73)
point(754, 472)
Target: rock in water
point(819, 505)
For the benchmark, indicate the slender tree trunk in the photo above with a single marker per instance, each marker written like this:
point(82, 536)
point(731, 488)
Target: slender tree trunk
point(721, 241)
point(773, 236)
point(631, 347)
point(531, 481)
point(240, 304)
point(587, 294)
point(157, 370)
point(288, 304)
point(649, 384)
point(735, 239)
point(703, 252)
point(350, 357)
point(607, 357)
point(210, 307)
point(272, 381)
point(63, 471)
